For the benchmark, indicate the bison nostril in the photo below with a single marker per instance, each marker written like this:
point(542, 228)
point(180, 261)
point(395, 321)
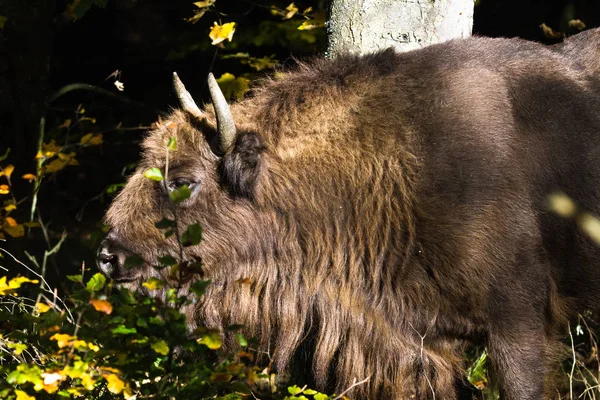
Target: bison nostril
point(107, 262)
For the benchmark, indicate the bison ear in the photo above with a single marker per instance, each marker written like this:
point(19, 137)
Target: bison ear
point(242, 167)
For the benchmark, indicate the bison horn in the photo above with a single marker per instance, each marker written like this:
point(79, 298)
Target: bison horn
point(225, 124)
point(185, 98)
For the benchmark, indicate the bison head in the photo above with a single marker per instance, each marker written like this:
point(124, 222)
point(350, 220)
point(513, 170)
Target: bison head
point(222, 185)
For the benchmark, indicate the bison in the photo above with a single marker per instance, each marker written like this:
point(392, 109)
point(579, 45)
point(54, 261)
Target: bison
point(375, 214)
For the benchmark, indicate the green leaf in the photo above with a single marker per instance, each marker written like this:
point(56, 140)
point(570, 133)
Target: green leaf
point(199, 287)
point(169, 233)
point(3, 157)
point(171, 295)
point(75, 278)
point(172, 143)
point(211, 339)
point(294, 390)
point(133, 261)
point(153, 284)
point(154, 174)
point(96, 283)
point(242, 340)
point(180, 194)
point(154, 320)
point(192, 235)
point(3, 20)
point(165, 223)
point(123, 330)
point(161, 347)
point(232, 86)
point(310, 392)
point(320, 396)
point(167, 260)
point(114, 188)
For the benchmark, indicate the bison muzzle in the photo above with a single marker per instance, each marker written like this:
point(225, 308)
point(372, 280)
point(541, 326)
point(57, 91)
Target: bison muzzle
point(380, 212)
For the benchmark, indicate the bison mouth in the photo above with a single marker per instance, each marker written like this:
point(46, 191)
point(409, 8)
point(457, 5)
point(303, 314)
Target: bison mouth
point(115, 261)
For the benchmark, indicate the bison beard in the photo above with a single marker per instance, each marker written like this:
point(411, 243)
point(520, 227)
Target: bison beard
point(382, 211)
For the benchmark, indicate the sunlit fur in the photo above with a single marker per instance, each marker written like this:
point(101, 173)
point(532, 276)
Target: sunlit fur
point(382, 211)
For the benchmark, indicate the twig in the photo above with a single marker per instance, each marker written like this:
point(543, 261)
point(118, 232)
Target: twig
point(422, 337)
point(354, 384)
point(46, 287)
point(573, 365)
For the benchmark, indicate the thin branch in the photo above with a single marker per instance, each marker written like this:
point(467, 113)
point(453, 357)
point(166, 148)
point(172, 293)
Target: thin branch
point(46, 287)
point(354, 384)
point(573, 365)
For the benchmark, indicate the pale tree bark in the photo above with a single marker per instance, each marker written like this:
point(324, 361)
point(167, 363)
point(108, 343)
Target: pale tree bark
point(364, 26)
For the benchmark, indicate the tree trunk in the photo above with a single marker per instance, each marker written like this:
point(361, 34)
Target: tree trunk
point(364, 26)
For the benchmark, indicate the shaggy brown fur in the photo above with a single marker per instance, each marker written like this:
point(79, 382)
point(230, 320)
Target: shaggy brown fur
point(388, 209)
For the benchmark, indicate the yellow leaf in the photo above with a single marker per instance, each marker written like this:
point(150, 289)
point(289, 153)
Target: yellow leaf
point(42, 308)
point(61, 162)
point(51, 388)
point(15, 231)
point(74, 392)
point(4, 189)
point(115, 384)
point(219, 33)
point(80, 344)
point(65, 124)
point(16, 283)
point(18, 347)
point(204, 4)
point(87, 382)
point(86, 138)
point(311, 24)
point(96, 140)
point(551, 33)
point(10, 207)
point(11, 221)
point(102, 306)
point(51, 147)
point(128, 393)
point(29, 177)
point(161, 347)
point(65, 156)
point(50, 378)
point(8, 170)
point(232, 86)
point(211, 339)
point(21, 395)
point(50, 329)
point(290, 11)
point(39, 155)
point(13, 284)
point(153, 284)
point(62, 339)
point(93, 347)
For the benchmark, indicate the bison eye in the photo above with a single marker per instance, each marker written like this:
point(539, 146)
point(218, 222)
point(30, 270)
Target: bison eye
point(176, 183)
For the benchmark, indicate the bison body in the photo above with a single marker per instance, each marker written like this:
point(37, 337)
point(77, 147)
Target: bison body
point(382, 211)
